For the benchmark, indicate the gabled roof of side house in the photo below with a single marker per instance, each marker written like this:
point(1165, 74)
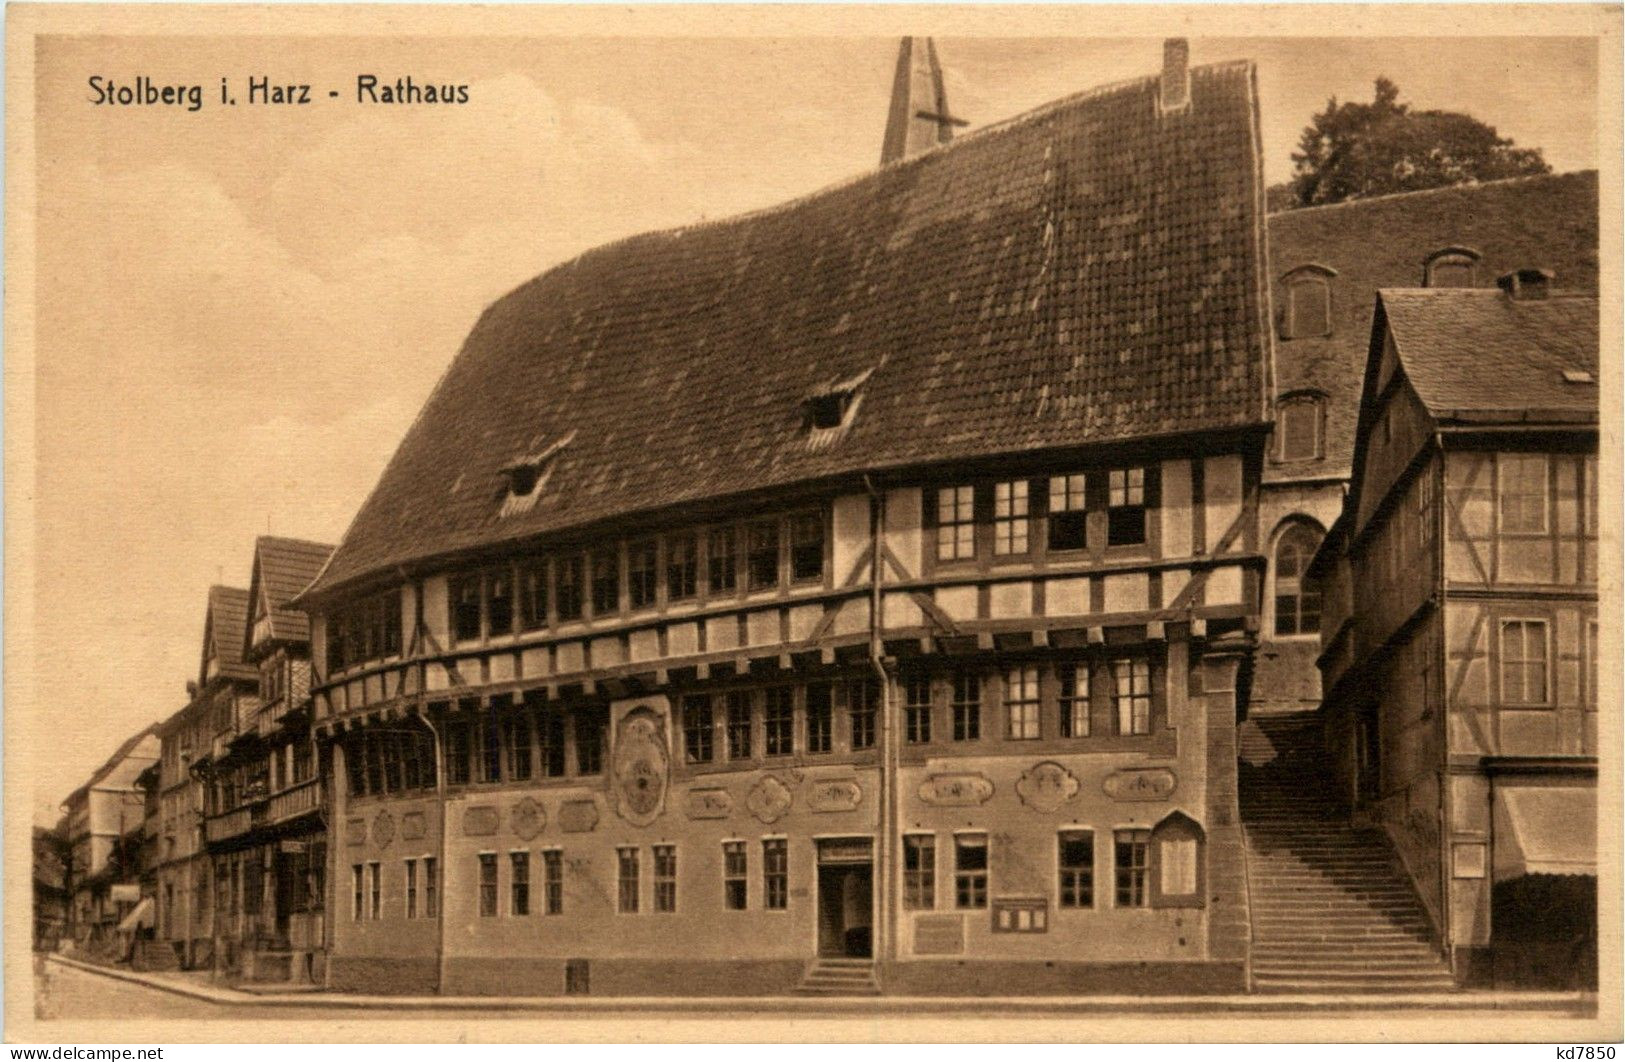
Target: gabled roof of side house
point(130, 747)
point(282, 568)
point(1548, 221)
point(1482, 357)
point(223, 628)
point(1089, 272)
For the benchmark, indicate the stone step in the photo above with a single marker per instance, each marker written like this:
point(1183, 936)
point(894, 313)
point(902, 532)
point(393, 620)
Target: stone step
point(1318, 985)
point(1334, 965)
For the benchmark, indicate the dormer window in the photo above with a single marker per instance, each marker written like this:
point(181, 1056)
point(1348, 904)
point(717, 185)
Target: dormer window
point(527, 475)
point(1308, 309)
point(1300, 422)
point(1451, 267)
point(828, 409)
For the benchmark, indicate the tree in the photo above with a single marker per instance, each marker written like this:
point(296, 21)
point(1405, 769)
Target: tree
point(1354, 150)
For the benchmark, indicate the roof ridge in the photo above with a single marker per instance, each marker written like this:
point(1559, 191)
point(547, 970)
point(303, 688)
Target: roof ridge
point(1498, 182)
point(1003, 125)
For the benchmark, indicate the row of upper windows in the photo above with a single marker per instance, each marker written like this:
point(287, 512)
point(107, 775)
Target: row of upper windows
point(1117, 696)
point(1064, 513)
point(1307, 312)
point(718, 561)
point(1524, 665)
point(1525, 494)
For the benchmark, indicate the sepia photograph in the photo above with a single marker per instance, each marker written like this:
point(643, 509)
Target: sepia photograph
point(1070, 524)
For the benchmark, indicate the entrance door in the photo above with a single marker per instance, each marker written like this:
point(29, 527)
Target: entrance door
point(1367, 755)
point(845, 899)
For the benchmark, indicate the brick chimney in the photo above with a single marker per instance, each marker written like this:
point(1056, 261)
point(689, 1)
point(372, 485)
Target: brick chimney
point(1526, 283)
point(1176, 75)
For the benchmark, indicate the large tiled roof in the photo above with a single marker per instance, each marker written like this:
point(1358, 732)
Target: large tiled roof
point(1548, 222)
point(282, 568)
point(227, 620)
point(1088, 272)
point(1481, 356)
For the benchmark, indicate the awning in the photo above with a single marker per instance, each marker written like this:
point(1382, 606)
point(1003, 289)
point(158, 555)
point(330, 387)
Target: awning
point(140, 915)
point(1545, 830)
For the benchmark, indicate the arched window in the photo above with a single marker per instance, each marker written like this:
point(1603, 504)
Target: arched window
point(1451, 267)
point(1308, 309)
point(1299, 425)
point(1297, 597)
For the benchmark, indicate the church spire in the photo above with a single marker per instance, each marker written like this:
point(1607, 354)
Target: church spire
point(919, 118)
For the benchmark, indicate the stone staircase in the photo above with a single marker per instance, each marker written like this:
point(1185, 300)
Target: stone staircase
point(155, 956)
point(839, 977)
point(1332, 910)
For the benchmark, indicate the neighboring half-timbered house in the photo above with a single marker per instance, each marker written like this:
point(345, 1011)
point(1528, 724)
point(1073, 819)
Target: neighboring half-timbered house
point(1461, 640)
point(265, 831)
point(1326, 265)
point(851, 594)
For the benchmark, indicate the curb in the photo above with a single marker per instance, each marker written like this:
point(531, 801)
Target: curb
point(1576, 1004)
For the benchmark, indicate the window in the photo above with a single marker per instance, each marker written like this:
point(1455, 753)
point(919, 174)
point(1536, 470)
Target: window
point(490, 749)
point(1132, 695)
point(465, 609)
point(606, 582)
point(499, 602)
point(411, 888)
point(1424, 510)
point(665, 878)
point(519, 885)
point(357, 909)
point(863, 700)
point(457, 752)
point(553, 881)
point(1068, 516)
point(1523, 494)
point(1308, 305)
point(919, 871)
point(1590, 664)
point(697, 728)
point(518, 743)
point(550, 744)
point(776, 874)
point(1125, 507)
point(1130, 849)
point(1075, 700)
point(642, 572)
point(967, 707)
point(1523, 662)
point(568, 579)
point(682, 568)
point(1591, 493)
point(1077, 865)
point(956, 523)
point(1010, 526)
point(917, 709)
point(780, 720)
point(375, 879)
point(1021, 704)
point(1297, 597)
point(431, 887)
point(762, 555)
point(533, 595)
point(970, 871)
point(488, 884)
point(820, 717)
point(589, 740)
point(627, 877)
point(722, 552)
point(1298, 421)
point(807, 548)
point(734, 873)
point(738, 702)
point(1451, 267)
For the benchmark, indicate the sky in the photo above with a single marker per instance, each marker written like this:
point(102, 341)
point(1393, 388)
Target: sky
point(241, 309)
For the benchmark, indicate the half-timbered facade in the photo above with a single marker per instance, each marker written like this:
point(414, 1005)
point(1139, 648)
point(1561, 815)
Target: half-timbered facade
point(265, 831)
point(856, 591)
point(1461, 645)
